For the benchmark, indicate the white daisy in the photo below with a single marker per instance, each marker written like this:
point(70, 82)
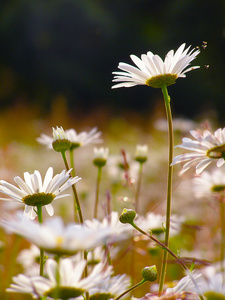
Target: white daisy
point(28, 258)
point(100, 156)
point(54, 237)
point(33, 191)
point(151, 70)
point(156, 223)
point(207, 147)
point(118, 230)
point(209, 184)
point(71, 284)
point(77, 139)
point(111, 287)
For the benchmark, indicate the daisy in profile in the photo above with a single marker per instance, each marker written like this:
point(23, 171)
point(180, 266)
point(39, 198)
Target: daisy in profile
point(151, 70)
point(55, 237)
point(206, 148)
point(77, 139)
point(33, 192)
point(62, 281)
point(210, 184)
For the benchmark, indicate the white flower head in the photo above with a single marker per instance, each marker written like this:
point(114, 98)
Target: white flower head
point(60, 142)
point(207, 147)
point(54, 237)
point(28, 258)
point(59, 134)
point(151, 70)
point(118, 230)
point(71, 284)
point(141, 153)
point(112, 286)
point(100, 156)
point(32, 191)
point(77, 139)
point(210, 184)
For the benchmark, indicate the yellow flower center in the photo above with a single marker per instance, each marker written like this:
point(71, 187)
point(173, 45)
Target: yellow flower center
point(216, 152)
point(38, 199)
point(214, 296)
point(75, 145)
point(160, 80)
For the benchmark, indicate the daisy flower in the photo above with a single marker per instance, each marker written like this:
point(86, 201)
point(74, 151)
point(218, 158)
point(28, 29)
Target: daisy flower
point(100, 156)
point(111, 287)
point(28, 258)
point(33, 192)
point(118, 230)
point(151, 70)
point(70, 285)
point(54, 237)
point(77, 139)
point(207, 147)
point(209, 184)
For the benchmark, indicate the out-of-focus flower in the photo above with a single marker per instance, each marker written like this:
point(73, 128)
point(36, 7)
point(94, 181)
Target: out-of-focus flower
point(151, 70)
point(100, 156)
point(118, 230)
point(71, 284)
point(28, 258)
point(141, 153)
point(33, 192)
point(179, 125)
point(54, 237)
point(207, 147)
point(111, 287)
point(210, 184)
point(77, 139)
point(156, 223)
point(184, 289)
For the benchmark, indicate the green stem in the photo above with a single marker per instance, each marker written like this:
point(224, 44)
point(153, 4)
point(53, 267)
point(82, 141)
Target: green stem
point(77, 206)
point(72, 163)
point(169, 185)
point(40, 220)
point(97, 191)
point(222, 243)
point(167, 250)
point(130, 289)
point(138, 188)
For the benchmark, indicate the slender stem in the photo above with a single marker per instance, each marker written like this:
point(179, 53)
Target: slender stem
point(97, 191)
point(138, 188)
point(130, 289)
point(169, 185)
point(166, 249)
point(77, 206)
point(40, 220)
point(222, 243)
point(72, 163)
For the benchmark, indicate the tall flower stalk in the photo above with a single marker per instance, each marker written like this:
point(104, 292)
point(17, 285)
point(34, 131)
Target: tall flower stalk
point(152, 71)
point(169, 184)
point(40, 220)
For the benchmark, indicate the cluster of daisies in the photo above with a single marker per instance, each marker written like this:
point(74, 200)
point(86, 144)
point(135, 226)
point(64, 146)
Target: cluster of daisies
point(75, 259)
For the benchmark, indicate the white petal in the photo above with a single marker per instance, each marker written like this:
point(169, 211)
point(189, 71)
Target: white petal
point(50, 210)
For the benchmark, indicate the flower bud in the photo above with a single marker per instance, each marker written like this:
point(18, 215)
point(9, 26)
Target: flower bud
point(127, 216)
point(60, 142)
point(100, 156)
point(141, 153)
point(149, 273)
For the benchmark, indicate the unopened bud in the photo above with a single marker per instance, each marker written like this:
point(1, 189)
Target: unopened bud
point(141, 154)
point(100, 156)
point(127, 216)
point(149, 273)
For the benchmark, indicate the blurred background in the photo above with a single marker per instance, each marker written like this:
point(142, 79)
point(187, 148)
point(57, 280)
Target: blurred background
point(61, 54)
